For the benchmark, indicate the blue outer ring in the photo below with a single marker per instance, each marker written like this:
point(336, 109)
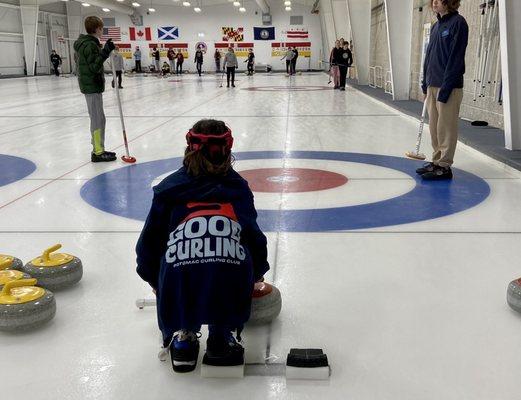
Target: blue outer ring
point(126, 192)
point(13, 169)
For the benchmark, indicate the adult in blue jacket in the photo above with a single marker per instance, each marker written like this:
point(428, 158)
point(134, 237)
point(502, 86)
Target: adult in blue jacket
point(201, 250)
point(442, 83)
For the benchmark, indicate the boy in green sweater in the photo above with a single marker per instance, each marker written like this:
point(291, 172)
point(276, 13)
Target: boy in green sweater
point(91, 77)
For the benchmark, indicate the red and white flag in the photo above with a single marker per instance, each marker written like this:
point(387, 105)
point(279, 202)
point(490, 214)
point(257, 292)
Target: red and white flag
point(297, 34)
point(140, 34)
point(111, 32)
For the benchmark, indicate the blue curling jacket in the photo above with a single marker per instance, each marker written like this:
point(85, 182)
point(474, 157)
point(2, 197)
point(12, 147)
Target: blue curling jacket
point(444, 64)
point(202, 250)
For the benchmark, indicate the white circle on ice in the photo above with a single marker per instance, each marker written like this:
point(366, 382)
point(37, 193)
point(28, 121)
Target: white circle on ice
point(367, 183)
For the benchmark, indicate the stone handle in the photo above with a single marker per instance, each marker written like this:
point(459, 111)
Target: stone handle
point(18, 283)
point(46, 256)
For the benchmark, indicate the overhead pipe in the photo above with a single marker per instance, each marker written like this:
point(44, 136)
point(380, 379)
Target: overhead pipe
point(265, 8)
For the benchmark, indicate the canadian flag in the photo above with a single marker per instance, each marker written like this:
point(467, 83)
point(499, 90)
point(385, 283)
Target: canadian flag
point(140, 34)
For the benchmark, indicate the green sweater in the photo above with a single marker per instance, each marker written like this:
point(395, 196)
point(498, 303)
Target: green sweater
point(90, 61)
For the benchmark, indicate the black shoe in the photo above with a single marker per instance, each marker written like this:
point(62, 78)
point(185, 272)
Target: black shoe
point(223, 351)
point(112, 84)
point(111, 153)
point(120, 87)
point(103, 157)
point(438, 174)
point(228, 85)
point(184, 351)
point(342, 88)
point(427, 167)
point(233, 85)
point(336, 87)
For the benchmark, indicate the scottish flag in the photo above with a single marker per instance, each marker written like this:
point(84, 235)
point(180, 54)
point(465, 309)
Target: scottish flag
point(168, 33)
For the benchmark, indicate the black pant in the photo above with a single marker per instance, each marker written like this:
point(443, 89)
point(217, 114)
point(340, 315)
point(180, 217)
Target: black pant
point(230, 71)
point(199, 66)
point(288, 67)
point(293, 66)
point(217, 64)
point(179, 68)
point(119, 75)
point(56, 70)
point(250, 68)
point(138, 66)
point(343, 75)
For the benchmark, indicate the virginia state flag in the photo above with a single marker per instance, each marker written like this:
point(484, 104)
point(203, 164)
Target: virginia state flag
point(264, 33)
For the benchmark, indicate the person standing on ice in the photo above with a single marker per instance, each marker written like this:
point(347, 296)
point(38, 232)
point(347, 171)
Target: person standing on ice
point(56, 61)
point(91, 77)
point(230, 64)
point(442, 84)
point(198, 60)
point(137, 58)
point(202, 251)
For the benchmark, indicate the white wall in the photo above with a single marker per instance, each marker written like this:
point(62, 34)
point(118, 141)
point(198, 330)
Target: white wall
point(214, 17)
point(11, 41)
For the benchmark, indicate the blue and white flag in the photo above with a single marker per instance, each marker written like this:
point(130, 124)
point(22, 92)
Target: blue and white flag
point(264, 33)
point(168, 33)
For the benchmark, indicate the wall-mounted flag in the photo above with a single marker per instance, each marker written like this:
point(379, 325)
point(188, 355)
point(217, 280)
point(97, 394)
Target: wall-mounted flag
point(264, 33)
point(297, 33)
point(168, 33)
point(111, 32)
point(140, 33)
point(232, 35)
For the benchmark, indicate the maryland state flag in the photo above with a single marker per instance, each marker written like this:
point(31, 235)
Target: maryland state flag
point(232, 35)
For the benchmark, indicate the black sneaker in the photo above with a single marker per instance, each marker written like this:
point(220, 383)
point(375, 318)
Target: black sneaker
point(184, 351)
point(427, 167)
point(438, 174)
point(342, 88)
point(223, 351)
point(106, 156)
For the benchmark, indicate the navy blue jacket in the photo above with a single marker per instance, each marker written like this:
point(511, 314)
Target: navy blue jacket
point(444, 65)
point(202, 250)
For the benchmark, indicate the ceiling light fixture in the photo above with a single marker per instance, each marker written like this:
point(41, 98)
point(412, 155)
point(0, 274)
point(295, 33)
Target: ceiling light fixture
point(136, 4)
point(106, 9)
point(236, 4)
point(242, 9)
point(288, 8)
point(186, 3)
point(287, 3)
point(152, 9)
point(85, 4)
point(197, 9)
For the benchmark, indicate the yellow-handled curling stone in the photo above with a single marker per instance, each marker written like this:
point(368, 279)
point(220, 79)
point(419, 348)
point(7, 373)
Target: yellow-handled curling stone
point(55, 270)
point(24, 306)
point(9, 275)
point(10, 262)
point(514, 295)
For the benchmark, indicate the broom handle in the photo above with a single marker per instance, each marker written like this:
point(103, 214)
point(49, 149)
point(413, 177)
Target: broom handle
point(420, 129)
point(116, 85)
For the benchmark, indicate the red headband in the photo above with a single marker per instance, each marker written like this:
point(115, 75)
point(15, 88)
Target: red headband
point(207, 139)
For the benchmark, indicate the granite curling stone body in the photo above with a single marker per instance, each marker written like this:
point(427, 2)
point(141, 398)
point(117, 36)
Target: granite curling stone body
point(514, 295)
point(10, 262)
point(266, 304)
point(55, 271)
point(24, 306)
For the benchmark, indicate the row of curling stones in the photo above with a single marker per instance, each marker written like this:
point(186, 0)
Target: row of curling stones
point(514, 295)
point(23, 305)
point(265, 305)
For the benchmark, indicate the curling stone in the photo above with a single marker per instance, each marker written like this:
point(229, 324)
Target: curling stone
point(10, 262)
point(9, 275)
point(514, 295)
point(55, 271)
point(24, 306)
point(265, 305)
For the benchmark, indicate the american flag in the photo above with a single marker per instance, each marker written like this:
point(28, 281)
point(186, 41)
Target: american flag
point(111, 32)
